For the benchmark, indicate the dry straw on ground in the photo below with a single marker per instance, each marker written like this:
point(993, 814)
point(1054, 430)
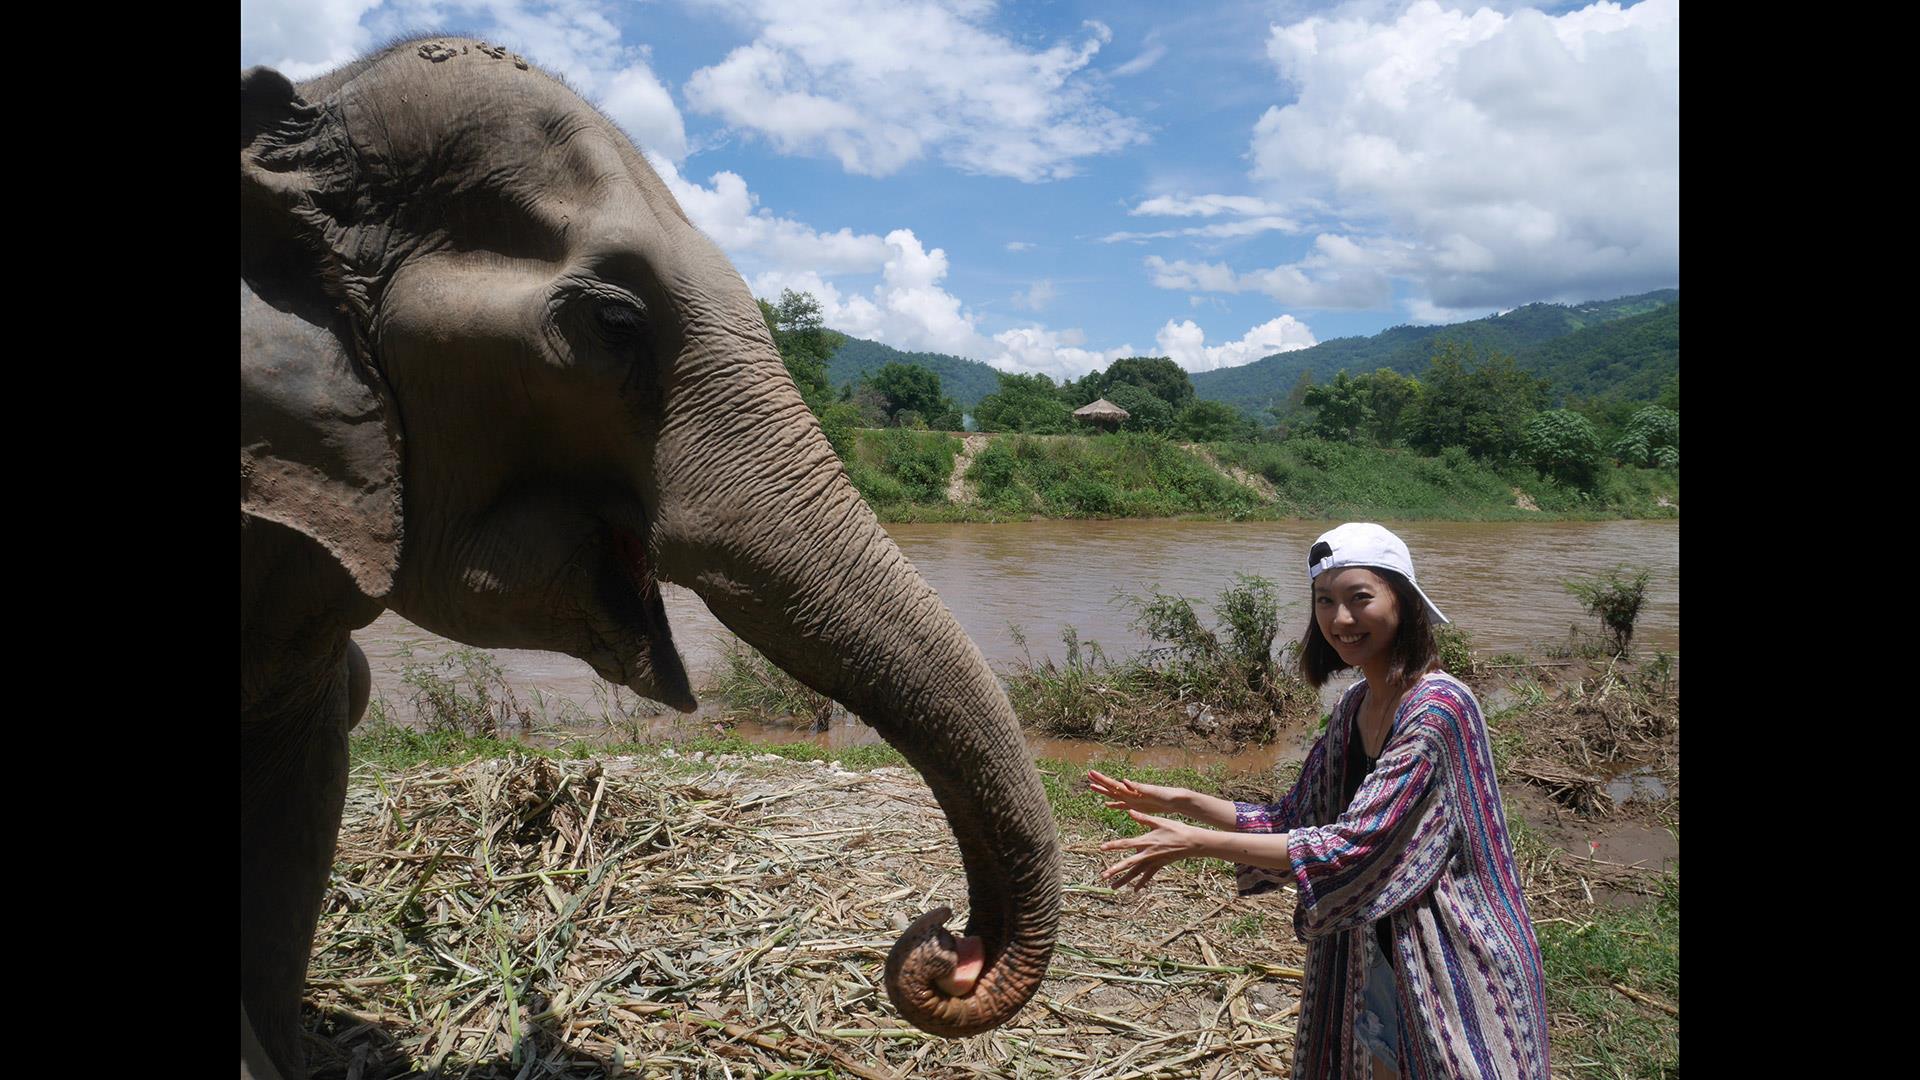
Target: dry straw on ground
point(1601, 726)
point(529, 918)
point(671, 915)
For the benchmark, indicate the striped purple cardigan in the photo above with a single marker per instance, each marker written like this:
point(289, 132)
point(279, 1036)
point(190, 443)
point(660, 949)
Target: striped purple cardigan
point(1423, 845)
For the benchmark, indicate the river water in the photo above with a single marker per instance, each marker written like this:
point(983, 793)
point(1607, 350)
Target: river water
point(1501, 582)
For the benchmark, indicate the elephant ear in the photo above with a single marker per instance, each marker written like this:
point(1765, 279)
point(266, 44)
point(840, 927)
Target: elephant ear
point(319, 436)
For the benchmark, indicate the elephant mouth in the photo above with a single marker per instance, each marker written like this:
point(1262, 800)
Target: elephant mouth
point(630, 590)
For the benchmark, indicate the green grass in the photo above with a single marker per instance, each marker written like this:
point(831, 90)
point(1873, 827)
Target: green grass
point(391, 747)
point(1108, 476)
point(1320, 479)
point(903, 475)
point(1638, 948)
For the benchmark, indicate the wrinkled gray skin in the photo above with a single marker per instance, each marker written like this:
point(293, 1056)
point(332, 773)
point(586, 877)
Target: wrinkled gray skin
point(493, 379)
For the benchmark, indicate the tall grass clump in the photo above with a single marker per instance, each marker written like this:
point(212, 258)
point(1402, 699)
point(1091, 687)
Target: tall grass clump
point(753, 686)
point(465, 693)
point(1215, 685)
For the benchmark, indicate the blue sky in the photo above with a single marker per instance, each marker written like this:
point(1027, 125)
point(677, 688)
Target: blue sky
point(1048, 186)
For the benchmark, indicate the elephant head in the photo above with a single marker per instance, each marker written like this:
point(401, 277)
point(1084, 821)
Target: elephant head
point(491, 369)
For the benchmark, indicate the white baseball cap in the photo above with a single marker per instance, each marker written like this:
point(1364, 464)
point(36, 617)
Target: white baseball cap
point(1362, 543)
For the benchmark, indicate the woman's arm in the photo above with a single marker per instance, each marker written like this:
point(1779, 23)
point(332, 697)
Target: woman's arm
point(1167, 842)
point(1154, 799)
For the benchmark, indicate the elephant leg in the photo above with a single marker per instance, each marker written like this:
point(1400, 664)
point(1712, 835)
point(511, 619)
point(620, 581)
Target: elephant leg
point(254, 1062)
point(293, 785)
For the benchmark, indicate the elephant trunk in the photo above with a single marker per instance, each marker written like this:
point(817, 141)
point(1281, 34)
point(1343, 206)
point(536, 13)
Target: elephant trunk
point(806, 575)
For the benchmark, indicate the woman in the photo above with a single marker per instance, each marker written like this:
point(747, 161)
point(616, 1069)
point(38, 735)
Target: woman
point(1421, 959)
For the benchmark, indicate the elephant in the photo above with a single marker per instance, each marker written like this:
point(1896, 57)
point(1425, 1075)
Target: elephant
point(493, 379)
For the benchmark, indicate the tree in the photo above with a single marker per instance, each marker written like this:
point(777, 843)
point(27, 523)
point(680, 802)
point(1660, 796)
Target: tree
point(1563, 445)
point(1483, 408)
point(1214, 421)
point(1286, 412)
point(1390, 395)
point(1145, 410)
point(1085, 390)
point(797, 329)
point(1652, 439)
point(1158, 375)
point(1026, 403)
point(915, 389)
point(1342, 411)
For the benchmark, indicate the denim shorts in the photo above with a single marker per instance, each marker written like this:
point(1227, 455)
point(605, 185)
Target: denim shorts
point(1378, 1025)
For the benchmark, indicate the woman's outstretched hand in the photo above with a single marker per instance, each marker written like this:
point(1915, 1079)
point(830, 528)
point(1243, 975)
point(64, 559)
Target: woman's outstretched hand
point(1164, 842)
point(1133, 795)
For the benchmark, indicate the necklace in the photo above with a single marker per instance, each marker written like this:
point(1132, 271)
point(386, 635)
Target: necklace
point(1377, 737)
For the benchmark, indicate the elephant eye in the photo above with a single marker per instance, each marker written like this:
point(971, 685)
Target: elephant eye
point(620, 322)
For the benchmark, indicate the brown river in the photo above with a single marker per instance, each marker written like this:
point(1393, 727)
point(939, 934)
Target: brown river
point(1500, 582)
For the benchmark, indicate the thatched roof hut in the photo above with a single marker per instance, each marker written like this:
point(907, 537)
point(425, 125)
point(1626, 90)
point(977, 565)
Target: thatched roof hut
point(1103, 414)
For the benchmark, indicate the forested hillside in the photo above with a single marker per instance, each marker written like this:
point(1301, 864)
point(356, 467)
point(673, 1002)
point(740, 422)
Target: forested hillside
point(1630, 359)
point(965, 381)
point(1524, 333)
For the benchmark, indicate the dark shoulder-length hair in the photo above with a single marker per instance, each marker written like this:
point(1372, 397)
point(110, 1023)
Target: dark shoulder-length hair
point(1414, 651)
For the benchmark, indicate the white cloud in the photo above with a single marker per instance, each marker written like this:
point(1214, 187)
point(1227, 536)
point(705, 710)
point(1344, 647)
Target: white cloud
point(304, 38)
point(1020, 245)
point(1423, 312)
point(758, 240)
point(1205, 206)
point(1225, 230)
point(1148, 57)
point(1038, 297)
point(908, 309)
point(1517, 157)
point(881, 85)
point(1339, 272)
point(1185, 342)
point(1055, 353)
point(1252, 216)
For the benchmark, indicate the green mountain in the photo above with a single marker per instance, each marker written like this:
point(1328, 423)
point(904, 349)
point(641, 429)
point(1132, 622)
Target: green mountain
point(965, 381)
point(1590, 355)
point(1630, 359)
point(1626, 348)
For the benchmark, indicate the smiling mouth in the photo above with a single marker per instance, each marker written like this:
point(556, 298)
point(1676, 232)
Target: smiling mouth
point(1349, 639)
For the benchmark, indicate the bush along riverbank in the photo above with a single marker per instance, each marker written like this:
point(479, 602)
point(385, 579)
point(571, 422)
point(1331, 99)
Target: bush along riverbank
point(1218, 688)
point(908, 476)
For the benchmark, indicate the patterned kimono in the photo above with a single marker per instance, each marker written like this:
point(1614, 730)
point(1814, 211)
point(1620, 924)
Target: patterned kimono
point(1423, 845)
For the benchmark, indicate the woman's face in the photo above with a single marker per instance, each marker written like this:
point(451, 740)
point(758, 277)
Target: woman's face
point(1358, 614)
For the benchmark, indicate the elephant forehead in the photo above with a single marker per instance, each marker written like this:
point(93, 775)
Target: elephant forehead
point(471, 127)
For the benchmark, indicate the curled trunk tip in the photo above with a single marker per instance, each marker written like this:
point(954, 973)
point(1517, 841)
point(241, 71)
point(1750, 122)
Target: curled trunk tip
point(927, 953)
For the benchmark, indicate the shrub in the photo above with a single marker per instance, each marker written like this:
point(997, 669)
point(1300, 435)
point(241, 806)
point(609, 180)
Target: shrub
point(1652, 439)
point(1456, 650)
point(1190, 680)
point(1615, 597)
point(1562, 444)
